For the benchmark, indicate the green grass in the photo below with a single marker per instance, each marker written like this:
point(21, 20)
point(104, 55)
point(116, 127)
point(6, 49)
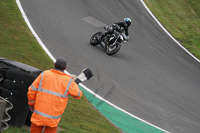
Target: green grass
point(17, 43)
point(182, 19)
point(16, 130)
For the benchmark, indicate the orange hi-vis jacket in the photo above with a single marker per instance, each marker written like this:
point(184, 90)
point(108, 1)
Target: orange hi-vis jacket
point(49, 95)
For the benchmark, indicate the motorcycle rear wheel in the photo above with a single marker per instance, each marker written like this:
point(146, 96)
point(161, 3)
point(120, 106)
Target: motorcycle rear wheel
point(95, 39)
point(113, 50)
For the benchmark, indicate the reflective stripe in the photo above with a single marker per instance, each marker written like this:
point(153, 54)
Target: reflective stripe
point(40, 84)
point(31, 101)
point(33, 88)
point(68, 85)
point(78, 93)
point(50, 92)
point(46, 115)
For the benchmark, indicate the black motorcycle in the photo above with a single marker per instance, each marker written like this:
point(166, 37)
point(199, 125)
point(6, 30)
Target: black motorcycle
point(111, 43)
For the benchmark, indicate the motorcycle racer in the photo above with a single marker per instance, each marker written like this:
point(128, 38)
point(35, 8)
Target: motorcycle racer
point(123, 25)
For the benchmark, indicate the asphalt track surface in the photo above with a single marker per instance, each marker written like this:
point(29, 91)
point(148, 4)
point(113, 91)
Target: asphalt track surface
point(151, 76)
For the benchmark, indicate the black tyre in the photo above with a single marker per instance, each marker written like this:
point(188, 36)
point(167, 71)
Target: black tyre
point(15, 88)
point(113, 50)
point(16, 74)
point(95, 39)
point(3, 73)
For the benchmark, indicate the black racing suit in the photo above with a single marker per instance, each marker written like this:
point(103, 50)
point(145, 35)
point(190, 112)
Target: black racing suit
point(122, 26)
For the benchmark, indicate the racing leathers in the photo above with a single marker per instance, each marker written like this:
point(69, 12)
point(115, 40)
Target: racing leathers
point(122, 26)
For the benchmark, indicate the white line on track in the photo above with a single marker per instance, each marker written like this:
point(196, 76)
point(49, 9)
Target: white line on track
point(87, 89)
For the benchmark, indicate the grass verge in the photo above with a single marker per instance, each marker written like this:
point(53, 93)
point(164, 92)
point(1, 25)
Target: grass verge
point(182, 19)
point(17, 43)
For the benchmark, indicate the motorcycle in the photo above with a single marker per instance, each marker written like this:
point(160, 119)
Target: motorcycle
point(111, 43)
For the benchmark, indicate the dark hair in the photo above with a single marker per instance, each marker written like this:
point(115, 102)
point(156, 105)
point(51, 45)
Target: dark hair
point(59, 67)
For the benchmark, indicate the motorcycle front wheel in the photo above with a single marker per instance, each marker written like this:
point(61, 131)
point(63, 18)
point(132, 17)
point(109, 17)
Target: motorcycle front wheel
point(95, 39)
point(111, 50)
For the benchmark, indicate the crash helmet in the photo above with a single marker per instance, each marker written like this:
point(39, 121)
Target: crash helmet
point(127, 21)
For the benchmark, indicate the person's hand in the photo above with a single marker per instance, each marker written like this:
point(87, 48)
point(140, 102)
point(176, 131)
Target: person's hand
point(31, 107)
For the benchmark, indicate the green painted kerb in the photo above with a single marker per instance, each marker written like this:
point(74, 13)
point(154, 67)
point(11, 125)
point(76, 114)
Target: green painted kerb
point(125, 122)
